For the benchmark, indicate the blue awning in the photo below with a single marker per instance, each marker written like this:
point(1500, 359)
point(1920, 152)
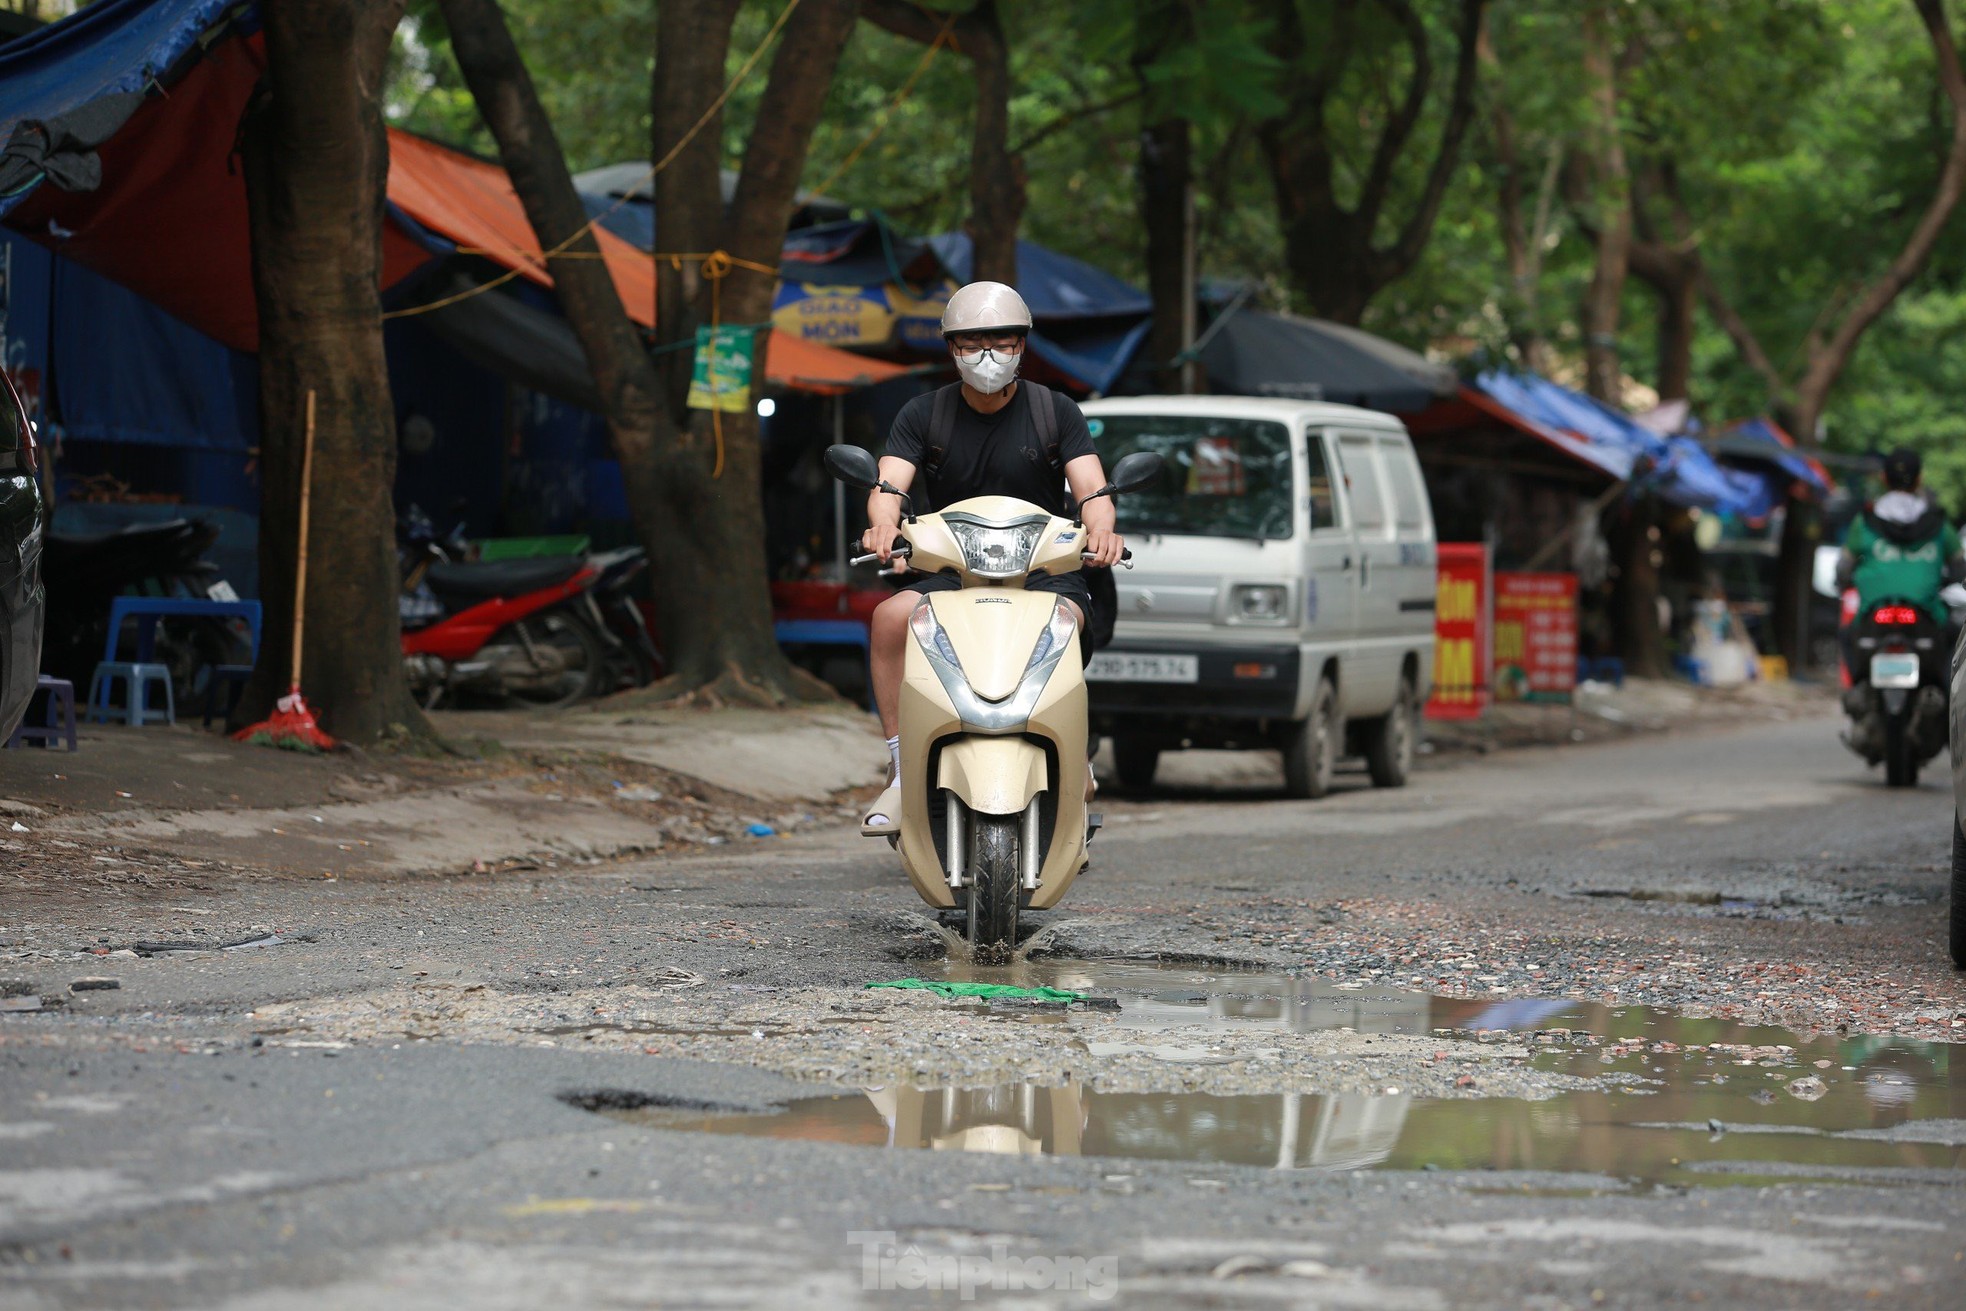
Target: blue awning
point(1679, 469)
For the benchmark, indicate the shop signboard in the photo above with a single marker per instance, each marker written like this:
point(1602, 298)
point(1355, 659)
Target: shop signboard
point(1461, 629)
point(1535, 637)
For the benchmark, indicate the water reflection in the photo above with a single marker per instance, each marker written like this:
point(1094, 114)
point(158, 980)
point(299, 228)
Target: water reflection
point(1701, 1100)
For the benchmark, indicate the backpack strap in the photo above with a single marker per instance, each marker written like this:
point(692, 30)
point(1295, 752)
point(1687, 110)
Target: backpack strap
point(1044, 415)
point(941, 428)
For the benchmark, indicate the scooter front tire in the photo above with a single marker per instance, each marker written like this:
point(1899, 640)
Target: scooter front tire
point(995, 873)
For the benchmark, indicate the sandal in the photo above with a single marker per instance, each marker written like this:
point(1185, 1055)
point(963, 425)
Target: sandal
point(883, 818)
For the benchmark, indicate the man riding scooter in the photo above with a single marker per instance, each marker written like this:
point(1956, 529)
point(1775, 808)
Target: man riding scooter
point(1900, 549)
point(988, 435)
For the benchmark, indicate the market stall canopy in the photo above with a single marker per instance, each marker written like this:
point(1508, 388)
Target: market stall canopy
point(122, 124)
point(1256, 353)
point(1679, 469)
point(634, 222)
point(471, 205)
point(1762, 442)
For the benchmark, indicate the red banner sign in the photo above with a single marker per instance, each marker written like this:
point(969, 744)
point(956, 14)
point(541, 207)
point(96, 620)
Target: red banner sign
point(1461, 619)
point(1535, 637)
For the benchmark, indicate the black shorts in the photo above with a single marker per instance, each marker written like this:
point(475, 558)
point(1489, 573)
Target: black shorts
point(1071, 586)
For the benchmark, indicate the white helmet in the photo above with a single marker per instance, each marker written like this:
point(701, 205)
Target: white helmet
point(983, 306)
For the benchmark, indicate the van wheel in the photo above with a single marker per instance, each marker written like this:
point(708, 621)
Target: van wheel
point(1390, 739)
point(1136, 761)
point(1310, 753)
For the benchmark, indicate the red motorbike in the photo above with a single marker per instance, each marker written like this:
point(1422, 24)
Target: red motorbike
point(500, 629)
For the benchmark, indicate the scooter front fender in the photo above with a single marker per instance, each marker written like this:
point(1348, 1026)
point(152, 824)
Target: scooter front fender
point(992, 775)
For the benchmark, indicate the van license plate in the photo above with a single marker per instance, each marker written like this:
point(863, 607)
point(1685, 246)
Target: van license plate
point(1894, 670)
point(1136, 667)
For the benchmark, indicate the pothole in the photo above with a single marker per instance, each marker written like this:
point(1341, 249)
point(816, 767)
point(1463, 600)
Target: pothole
point(1653, 1097)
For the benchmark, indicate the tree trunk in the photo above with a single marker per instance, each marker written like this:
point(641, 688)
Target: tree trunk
point(692, 482)
point(1611, 193)
point(316, 161)
point(1522, 245)
point(996, 172)
point(996, 176)
point(1166, 182)
point(530, 150)
point(1635, 591)
point(1165, 179)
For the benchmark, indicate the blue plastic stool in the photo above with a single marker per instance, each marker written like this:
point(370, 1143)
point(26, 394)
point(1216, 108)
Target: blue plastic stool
point(138, 678)
point(61, 715)
point(829, 632)
point(233, 679)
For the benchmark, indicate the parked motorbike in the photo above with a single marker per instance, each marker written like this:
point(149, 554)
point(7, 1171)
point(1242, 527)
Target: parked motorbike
point(633, 658)
point(1897, 698)
point(506, 628)
point(84, 572)
point(993, 707)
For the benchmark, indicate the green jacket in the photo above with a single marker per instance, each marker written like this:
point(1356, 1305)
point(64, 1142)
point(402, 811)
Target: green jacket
point(1904, 559)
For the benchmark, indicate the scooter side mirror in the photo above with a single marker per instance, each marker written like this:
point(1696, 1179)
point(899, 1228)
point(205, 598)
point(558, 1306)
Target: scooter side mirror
point(1823, 575)
point(853, 466)
point(1133, 473)
point(1136, 472)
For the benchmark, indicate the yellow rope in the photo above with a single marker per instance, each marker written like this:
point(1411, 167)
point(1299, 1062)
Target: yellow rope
point(880, 124)
point(743, 72)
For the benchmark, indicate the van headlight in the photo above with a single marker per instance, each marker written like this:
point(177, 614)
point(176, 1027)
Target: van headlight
point(1260, 603)
point(996, 550)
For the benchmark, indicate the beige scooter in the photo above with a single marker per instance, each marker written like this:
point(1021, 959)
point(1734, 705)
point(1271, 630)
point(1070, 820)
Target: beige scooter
point(993, 707)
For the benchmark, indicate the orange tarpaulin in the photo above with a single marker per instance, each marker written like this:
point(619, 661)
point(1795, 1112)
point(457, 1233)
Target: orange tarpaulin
point(473, 204)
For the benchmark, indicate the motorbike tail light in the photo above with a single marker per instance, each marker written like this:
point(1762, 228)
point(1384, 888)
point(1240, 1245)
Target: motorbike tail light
point(1894, 614)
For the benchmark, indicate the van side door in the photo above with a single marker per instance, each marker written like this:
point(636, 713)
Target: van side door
point(1413, 529)
point(1330, 561)
point(1372, 678)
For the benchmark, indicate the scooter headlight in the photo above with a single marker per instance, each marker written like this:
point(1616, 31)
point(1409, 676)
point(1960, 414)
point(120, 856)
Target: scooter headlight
point(928, 631)
point(996, 550)
point(1056, 636)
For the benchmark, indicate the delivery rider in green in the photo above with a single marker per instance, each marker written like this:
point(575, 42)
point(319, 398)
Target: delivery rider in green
point(1901, 548)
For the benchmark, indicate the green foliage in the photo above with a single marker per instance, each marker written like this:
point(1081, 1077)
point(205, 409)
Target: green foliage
point(1806, 135)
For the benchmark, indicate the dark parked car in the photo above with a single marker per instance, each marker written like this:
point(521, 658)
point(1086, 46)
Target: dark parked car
point(1957, 714)
point(21, 600)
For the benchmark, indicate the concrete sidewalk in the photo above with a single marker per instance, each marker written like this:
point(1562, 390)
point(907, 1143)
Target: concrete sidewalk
point(159, 806)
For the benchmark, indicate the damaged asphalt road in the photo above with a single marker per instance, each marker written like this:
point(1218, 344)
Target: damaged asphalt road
point(665, 1080)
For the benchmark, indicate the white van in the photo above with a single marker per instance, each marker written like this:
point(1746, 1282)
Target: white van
point(1282, 594)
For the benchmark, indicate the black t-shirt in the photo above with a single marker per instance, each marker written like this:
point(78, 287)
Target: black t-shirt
point(990, 454)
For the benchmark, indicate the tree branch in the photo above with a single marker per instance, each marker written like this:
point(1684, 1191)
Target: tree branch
point(1742, 335)
point(1399, 129)
point(1826, 363)
point(911, 22)
point(1460, 112)
point(1075, 116)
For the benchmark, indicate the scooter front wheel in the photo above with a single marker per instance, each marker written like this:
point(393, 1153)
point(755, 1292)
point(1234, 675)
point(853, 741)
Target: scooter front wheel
point(994, 875)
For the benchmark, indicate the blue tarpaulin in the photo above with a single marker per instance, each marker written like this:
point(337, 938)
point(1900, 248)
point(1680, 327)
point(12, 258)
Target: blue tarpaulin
point(111, 48)
point(1679, 469)
point(108, 365)
point(1759, 441)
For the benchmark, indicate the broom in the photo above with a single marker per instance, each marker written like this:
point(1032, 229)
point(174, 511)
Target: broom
point(291, 725)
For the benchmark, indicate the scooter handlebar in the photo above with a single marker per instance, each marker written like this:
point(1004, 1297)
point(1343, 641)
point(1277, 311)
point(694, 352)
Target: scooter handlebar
point(900, 552)
point(1126, 557)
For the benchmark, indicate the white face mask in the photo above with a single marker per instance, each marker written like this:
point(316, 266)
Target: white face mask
point(988, 371)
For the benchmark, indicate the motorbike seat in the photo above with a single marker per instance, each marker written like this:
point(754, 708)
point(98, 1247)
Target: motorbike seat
point(483, 580)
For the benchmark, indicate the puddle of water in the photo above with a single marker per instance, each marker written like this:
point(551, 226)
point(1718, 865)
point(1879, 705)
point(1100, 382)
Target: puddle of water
point(1701, 1101)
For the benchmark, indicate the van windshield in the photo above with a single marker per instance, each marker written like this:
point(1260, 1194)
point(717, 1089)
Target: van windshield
point(1223, 477)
